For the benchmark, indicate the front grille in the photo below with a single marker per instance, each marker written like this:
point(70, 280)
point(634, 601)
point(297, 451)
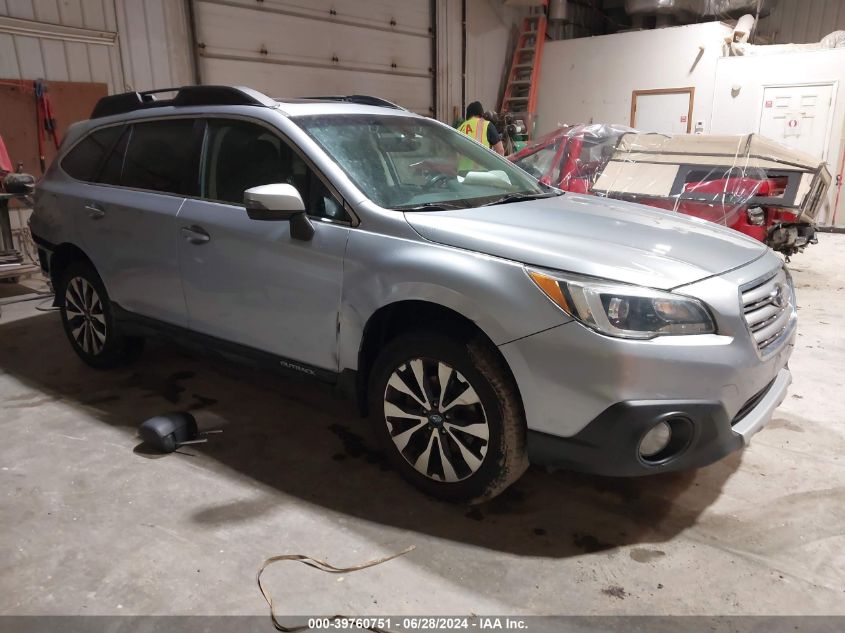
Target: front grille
point(767, 308)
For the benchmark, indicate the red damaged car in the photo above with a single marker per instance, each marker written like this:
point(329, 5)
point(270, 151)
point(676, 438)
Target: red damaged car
point(748, 182)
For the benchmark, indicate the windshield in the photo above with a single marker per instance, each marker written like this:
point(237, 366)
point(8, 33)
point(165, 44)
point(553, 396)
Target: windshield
point(541, 162)
point(408, 163)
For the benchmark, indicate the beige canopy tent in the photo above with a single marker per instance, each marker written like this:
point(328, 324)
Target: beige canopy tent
point(749, 168)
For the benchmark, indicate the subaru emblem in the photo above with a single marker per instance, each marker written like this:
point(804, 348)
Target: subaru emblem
point(777, 295)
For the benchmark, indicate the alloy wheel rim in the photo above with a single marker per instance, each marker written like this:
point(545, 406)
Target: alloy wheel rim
point(84, 311)
point(436, 420)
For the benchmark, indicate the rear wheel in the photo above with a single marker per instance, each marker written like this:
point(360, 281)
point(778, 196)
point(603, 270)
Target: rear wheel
point(88, 319)
point(448, 415)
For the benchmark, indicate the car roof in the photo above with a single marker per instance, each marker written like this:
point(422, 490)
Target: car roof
point(194, 98)
point(303, 107)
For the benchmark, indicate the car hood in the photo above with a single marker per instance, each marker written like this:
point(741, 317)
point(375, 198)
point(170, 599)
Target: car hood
point(606, 238)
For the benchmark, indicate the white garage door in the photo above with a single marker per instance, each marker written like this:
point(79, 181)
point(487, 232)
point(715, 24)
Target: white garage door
point(291, 48)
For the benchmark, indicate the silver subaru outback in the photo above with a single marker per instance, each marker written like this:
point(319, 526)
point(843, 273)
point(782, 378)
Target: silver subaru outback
point(482, 320)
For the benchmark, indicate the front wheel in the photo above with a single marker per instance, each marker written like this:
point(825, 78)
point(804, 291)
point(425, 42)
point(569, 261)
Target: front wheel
point(88, 320)
point(449, 416)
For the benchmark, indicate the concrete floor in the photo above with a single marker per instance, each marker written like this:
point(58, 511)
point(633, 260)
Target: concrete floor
point(91, 524)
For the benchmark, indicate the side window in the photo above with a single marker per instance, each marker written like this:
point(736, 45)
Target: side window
point(241, 155)
point(84, 160)
point(112, 169)
point(322, 203)
point(159, 157)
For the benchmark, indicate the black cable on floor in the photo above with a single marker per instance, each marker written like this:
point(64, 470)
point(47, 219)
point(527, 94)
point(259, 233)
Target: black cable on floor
point(40, 307)
point(29, 297)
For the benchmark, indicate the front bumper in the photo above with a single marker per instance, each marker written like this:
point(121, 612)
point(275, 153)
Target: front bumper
point(589, 398)
point(751, 420)
point(609, 444)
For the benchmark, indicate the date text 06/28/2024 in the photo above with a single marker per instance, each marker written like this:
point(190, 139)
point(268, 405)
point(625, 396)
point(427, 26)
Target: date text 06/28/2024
point(419, 623)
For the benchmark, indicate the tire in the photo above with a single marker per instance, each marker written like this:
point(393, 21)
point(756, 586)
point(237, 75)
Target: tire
point(443, 449)
point(88, 320)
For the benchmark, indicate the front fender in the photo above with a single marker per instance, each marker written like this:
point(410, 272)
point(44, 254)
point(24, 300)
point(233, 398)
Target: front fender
point(494, 293)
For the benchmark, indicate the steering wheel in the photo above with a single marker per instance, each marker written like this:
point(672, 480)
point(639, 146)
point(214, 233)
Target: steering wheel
point(438, 181)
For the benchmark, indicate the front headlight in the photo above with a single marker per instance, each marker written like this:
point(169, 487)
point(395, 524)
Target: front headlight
point(622, 310)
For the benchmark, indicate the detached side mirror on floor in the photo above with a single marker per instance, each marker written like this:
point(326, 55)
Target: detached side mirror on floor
point(279, 202)
point(168, 431)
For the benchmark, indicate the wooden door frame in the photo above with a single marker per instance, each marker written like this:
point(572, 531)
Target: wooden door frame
point(664, 91)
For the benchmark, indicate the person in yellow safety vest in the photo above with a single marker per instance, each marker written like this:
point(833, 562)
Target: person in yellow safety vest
point(479, 128)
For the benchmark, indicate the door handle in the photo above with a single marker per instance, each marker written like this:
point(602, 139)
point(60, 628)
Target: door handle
point(195, 234)
point(95, 211)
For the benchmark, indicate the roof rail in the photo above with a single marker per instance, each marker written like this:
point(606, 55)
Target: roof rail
point(361, 100)
point(185, 96)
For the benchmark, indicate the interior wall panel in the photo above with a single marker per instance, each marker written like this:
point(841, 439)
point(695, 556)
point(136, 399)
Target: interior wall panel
point(94, 15)
point(52, 58)
point(134, 46)
point(70, 13)
point(8, 57)
point(46, 11)
point(449, 74)
point(154, 43)
point(30, 58)
point(491, 31)
point(149, 45)
point(78, 62)
point(23, 9)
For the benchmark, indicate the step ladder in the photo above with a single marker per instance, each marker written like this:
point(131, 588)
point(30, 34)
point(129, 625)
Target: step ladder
point(520, 95)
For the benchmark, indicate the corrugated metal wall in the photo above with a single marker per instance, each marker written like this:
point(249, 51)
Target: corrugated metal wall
point(137, 44)
point(145, 44)
point(154, 43)
point(490, 30)
point(448, 27)
point(45, 55)
point(803, 21)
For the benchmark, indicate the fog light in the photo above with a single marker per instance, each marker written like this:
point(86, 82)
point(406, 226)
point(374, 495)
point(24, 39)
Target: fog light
point(655, 440)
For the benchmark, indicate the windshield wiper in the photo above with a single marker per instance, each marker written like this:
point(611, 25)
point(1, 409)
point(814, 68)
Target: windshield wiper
point(518, 197)
point(433, 206)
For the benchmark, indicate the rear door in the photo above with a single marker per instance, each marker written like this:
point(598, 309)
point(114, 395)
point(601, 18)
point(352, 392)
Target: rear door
point(127, 212)
point(130, 217)
point(248, 281)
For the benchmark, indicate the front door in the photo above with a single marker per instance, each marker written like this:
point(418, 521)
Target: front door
point(248, 281)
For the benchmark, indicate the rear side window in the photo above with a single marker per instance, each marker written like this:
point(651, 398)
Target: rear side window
point(160, 156)
point(83, 161)
point(112, 168)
